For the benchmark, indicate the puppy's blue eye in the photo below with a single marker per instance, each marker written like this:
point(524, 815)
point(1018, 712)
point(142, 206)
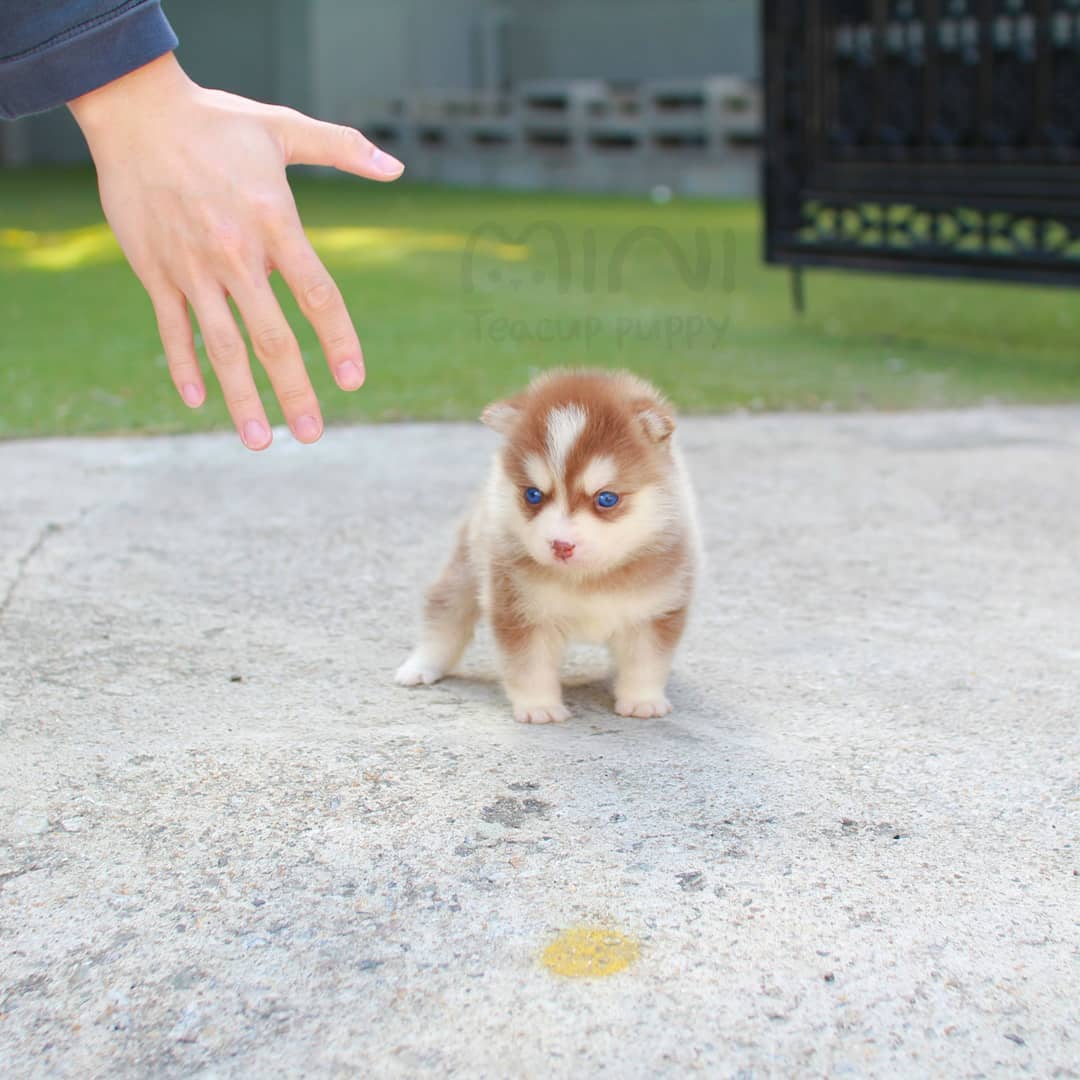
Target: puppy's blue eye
point(533, 496)
point(606, 500)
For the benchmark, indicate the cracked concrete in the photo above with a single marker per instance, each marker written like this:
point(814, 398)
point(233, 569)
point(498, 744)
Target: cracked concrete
point(230, 846)
point(21, 563)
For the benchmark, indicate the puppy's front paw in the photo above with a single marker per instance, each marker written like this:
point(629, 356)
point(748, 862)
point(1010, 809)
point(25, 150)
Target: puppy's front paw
point(645, 706)
point(541, 714)
point(417, 671)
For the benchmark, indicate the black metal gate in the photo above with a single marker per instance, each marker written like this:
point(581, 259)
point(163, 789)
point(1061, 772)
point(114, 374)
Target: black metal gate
point(926, 136)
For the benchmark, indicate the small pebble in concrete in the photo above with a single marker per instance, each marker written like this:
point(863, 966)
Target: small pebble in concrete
point(691, 881)
point(590, 952)
point(510, 813)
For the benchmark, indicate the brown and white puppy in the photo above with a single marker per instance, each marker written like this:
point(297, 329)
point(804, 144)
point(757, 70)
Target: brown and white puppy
point(585, 531)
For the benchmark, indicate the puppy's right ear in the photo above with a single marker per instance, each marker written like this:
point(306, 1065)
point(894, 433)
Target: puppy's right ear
point(501, 416)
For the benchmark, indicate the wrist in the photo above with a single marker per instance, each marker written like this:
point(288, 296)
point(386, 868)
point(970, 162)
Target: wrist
point(143, 90)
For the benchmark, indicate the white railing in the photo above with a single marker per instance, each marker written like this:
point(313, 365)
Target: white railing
point(695, 135)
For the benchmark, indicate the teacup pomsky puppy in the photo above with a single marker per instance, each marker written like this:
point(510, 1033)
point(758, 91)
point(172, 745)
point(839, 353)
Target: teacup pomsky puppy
point(585, 531)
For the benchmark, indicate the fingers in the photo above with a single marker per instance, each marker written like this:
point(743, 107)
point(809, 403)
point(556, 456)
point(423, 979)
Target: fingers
point(237, 272)
point(322, 304)
point(174, 327)
point(315, 142)
point(276, 347)
point(228, 355)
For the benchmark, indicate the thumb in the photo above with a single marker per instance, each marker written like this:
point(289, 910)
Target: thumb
point(314, 142)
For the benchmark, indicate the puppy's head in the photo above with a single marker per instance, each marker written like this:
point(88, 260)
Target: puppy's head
point(584, 482)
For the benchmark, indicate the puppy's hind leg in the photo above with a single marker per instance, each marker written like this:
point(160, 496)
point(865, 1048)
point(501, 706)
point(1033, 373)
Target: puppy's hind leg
point(450, 613)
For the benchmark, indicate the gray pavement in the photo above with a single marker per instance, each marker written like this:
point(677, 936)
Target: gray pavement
point(230, 846)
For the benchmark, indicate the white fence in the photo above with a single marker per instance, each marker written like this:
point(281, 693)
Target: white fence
point(694, 136)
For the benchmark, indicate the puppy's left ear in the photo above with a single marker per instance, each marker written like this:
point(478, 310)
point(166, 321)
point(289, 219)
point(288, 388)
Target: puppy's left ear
point(502, 416)
point(657, 418)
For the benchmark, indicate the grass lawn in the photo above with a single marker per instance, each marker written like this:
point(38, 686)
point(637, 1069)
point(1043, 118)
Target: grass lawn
point(452, 315)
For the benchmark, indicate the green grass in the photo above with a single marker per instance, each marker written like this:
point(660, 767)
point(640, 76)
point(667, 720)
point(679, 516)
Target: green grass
point(79, 354)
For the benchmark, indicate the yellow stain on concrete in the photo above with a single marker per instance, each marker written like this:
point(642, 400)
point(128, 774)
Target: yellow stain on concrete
point(590, 953)
point(342, 245)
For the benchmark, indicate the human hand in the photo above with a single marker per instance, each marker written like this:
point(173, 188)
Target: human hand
point(193, 184)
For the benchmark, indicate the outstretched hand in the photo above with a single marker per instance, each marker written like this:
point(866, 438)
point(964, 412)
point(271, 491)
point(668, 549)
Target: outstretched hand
point(193, 183)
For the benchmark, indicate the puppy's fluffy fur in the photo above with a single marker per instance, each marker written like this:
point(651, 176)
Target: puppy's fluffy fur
point(585, 530)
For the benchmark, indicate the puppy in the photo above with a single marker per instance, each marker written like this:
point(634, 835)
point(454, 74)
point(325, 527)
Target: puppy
point(585, 531)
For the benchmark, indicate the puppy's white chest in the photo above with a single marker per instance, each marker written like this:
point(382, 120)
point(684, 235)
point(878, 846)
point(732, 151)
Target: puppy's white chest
point(584, 615)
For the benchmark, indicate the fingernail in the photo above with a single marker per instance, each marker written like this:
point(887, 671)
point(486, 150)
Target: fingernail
point(350, 377)
point(191, 394)
point(385, 163)
point(307, 429)
point(256, 435)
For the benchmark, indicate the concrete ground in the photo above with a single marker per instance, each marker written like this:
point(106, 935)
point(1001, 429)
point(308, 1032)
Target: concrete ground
point(230, 846)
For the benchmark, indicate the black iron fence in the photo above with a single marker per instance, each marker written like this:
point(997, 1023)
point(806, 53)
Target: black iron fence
point(926, 136)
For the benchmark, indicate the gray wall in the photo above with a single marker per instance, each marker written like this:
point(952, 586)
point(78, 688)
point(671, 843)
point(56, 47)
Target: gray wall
point(325, 56)
point(381, 47)
point(357, 49)
point(633, 39)
point(234, 44)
